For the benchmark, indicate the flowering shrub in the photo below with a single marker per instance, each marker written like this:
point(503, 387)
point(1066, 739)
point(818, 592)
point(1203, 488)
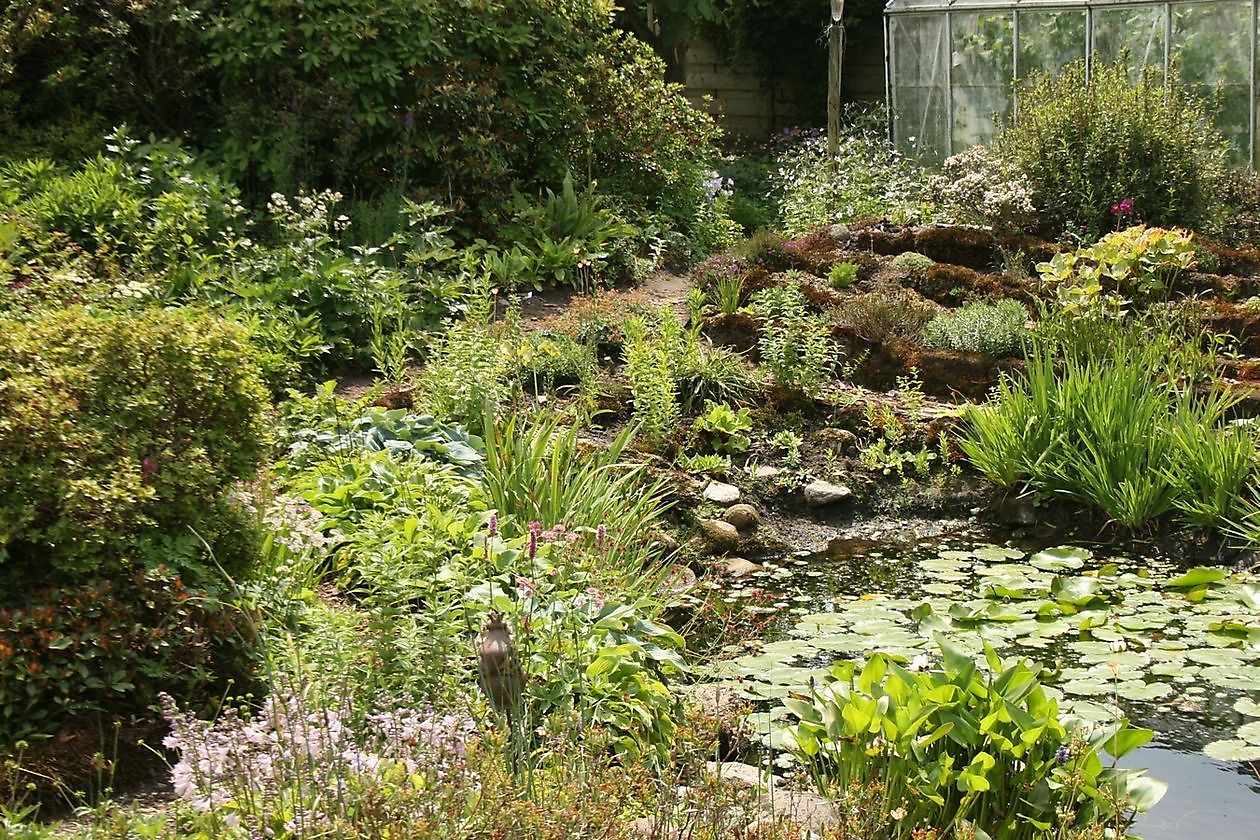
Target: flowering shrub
point(298, 767)
point(978, 187)
point(868, 179)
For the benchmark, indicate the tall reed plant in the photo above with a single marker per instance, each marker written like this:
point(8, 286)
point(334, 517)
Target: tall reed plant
point(1114, 415)
point(541, 472)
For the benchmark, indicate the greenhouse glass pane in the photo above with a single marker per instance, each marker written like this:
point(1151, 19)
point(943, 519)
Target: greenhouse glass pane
point(920, 100)
point(983, 64)
point(1211, 53)
point(1049, 40)
point(1136, 34)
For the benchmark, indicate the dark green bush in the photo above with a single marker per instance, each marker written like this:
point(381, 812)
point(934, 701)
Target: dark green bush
point(117, 431)
point(110, 646)
point(457, 101)
point(1084, 147)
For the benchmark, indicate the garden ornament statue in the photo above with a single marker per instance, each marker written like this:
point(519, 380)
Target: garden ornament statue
point(498, 670)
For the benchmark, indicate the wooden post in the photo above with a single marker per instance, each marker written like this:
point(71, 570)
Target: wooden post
point(835, 45)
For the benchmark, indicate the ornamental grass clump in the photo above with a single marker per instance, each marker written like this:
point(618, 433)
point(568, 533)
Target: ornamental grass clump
point(1110, 415)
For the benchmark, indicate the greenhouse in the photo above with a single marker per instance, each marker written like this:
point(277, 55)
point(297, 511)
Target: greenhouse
point(952, 64)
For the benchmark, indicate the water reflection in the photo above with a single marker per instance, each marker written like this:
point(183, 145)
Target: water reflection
point(1205, 799)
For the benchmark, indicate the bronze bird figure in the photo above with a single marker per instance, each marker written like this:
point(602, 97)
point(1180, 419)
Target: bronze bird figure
point(498, 670)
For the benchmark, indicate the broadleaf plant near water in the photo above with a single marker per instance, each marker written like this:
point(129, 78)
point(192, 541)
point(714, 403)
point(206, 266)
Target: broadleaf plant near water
point(958, 750)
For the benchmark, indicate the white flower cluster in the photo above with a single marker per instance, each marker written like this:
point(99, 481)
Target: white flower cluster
point(248, 770)
point(976, 187)
point(299, 527)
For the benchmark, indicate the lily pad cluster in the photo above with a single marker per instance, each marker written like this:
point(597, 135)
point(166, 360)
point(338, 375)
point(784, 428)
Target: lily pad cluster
point(1112, 633)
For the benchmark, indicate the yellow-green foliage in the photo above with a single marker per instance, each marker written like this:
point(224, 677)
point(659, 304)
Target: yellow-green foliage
point(1138, 262)
point(114, 428)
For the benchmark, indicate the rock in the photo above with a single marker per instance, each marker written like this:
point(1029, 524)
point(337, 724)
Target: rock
point(822, 493)
point(840, 233)
point(667, 541)
point(678, 580)
point(735, 772)
point(767, 473)
point(807, 810)
point(716, 700)
point(839, 441)
point(738, 567)
point(721, 494)
point(720, 535)
point(743, 516)
point(1017, 510)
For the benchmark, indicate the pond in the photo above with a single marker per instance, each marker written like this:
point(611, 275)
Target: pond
point(1175, 650)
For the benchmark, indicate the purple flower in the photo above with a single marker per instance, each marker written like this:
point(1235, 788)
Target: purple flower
point(1123, 208)
point(148, 467)
point(601, 534)
point(492, 526)
point(1062, 754)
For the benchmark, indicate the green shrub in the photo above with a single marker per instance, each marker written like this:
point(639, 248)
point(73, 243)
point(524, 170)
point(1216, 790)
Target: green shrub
point(794, 345)
point(115, 428)
point(138, 208)
point(723, 428)
point(998, 330)
point(549, 359)
point(913, 261)
point(109, 646)
point(1086, 146)
point(650, 366)
point(470, 368)
point(842, 275)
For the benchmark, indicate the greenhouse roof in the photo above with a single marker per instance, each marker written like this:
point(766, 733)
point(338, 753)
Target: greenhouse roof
point(907, 6)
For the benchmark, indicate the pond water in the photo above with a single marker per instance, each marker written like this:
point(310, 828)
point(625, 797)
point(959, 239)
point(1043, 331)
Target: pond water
point(1174, 650)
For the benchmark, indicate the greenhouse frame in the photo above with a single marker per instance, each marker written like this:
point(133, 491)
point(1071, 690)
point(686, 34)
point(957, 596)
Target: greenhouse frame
point(952, 65)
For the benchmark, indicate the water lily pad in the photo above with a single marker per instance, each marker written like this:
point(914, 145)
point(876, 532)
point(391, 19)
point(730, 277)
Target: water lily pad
point(1062, 558)
point(1088, 688)
point(1197, 577)
point(1232, 750)
point(996, 553)
point(1243, 678)
point(1250, 732)
point(1138, 690)
point(1247, 706)
point(1216, 656)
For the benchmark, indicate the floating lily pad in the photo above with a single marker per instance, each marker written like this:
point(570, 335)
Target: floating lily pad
point(1232, 750)
point(1196, 577)
point(1247, 706)
point(1250, 732)
point(1138, 690)
point(1064, 557)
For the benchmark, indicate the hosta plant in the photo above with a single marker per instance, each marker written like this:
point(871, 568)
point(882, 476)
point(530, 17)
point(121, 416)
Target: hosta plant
point(975, 749)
